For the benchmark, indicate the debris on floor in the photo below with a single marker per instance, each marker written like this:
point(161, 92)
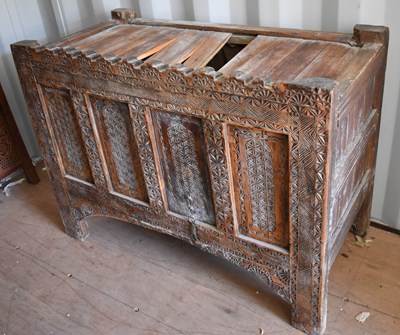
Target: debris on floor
point(7, 189)
point(261, 331)
point(362, 317)
point(363, 241)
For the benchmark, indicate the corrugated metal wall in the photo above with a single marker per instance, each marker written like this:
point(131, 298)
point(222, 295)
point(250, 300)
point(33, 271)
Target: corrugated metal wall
point(45, 20)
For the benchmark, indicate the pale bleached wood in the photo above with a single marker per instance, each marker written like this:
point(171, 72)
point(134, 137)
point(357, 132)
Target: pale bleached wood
point(330, 63)
point(261, 55)
point(104, 37)
point(129, 37)
point(293, 64)
point(154, 42)
point(181, 48)
point(207, 50)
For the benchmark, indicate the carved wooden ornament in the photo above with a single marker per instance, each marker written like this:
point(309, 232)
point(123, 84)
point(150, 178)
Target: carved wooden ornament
point(266, 162)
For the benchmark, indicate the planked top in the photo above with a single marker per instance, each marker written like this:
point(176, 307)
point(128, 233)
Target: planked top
point(271, 58)
point(192, 48)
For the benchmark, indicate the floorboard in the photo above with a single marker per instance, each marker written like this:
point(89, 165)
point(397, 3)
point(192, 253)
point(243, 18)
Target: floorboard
point(127, 280)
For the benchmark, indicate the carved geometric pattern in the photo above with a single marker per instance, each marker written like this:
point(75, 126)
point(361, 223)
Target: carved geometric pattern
point(146, 155)
point(320, 104)
point(259, 166)
point(182, 146)
point(120, 149)
point(274, 276)
point(219, 175)
point(67, 134)
point(224, 111)
point(260, 174)
point(115, 119)
point(298, 111)
point(188, 185)
point(80, 106)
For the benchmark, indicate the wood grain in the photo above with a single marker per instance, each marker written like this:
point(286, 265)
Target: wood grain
point(181, 48)
point(251, 60)
point(207, 49)
point(222, 296)
point(251, 30)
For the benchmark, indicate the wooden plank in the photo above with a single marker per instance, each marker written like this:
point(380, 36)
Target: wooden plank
point(251, 30)
point(359, 70)
point(95, 42)
point(253, 47)
point(151, 43)
point(330, 62)
point(126, 40)
point(181, 48)
point(222, 296)
point(260, 56)
point(207, 50)
point(294, 63)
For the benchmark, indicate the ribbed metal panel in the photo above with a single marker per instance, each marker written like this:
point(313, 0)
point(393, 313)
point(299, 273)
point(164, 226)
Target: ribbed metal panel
point(48, 19)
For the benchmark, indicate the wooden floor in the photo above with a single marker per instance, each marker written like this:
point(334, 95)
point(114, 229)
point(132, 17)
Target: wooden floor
point(127, 280)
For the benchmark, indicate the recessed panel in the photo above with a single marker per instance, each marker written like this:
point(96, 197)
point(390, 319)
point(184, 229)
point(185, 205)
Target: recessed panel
point(67, 134)
point(261, 180)
point(180, 143)
point(119, 147)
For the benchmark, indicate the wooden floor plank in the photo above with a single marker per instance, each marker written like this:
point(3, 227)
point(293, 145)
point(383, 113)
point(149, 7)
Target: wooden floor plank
point(177, 288)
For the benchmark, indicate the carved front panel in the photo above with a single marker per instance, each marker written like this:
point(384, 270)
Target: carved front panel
point(181, 146)
point(119, 147)
point(260, 172)
point(68, 138)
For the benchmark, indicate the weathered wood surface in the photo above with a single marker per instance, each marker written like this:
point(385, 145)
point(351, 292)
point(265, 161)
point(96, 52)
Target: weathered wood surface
point(207, 50)
point(198, 293)
point(255, 30)
point(267, 173)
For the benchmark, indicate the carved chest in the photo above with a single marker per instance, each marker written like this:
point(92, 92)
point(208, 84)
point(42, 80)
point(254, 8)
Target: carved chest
point(255, 144)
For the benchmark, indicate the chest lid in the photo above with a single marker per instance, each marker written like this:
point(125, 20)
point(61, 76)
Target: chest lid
point(272, 55)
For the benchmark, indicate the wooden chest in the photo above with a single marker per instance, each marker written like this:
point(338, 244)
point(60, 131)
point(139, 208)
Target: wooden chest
point(255, 144)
